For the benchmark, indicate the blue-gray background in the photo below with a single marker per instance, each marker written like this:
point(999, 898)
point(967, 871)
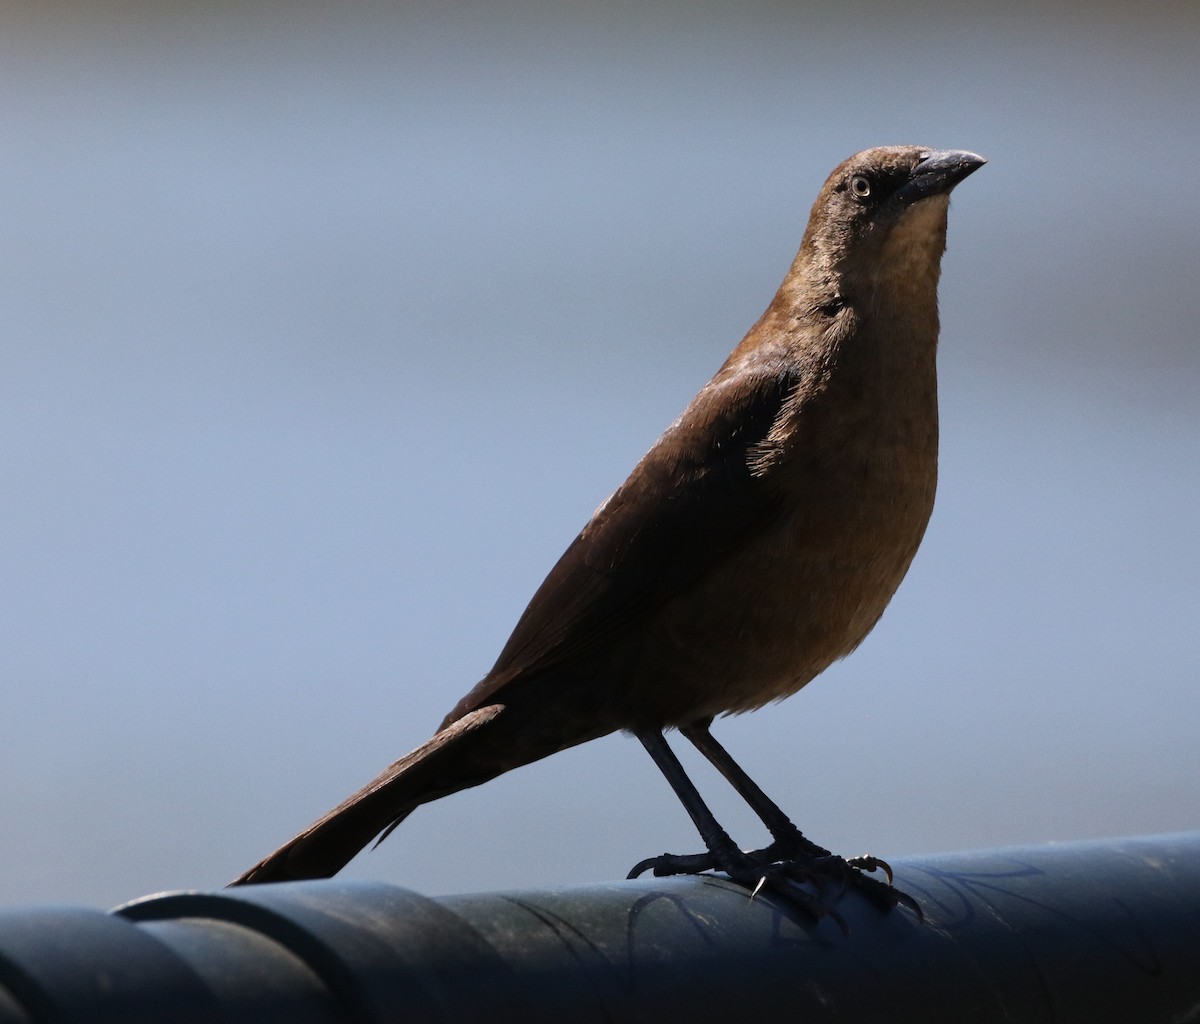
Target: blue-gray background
point(325, 327)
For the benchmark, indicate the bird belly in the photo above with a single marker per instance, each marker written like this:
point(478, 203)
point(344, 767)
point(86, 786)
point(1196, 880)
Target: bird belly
point(763, 622)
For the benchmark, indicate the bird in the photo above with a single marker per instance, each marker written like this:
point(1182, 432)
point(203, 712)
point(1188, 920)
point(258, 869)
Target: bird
point(758, 541)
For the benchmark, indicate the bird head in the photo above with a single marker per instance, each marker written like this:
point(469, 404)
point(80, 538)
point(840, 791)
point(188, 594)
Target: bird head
point(882, 213)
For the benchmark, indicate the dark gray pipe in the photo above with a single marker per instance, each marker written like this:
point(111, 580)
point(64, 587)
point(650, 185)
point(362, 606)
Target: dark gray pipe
point(1087, 932)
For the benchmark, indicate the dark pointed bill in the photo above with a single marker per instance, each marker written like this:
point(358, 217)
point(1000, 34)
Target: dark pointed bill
point(938, 172)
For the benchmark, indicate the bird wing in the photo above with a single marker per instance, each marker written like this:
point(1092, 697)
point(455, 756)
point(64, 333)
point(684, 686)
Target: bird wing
point(694, 496)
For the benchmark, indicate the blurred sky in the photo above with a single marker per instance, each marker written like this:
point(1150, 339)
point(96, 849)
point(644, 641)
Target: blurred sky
point(326, 326)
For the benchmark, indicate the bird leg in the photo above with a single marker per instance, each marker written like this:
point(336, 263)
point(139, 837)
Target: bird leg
point(790, 855)
point(789, 842)
point(723, 855)
point(789, 845)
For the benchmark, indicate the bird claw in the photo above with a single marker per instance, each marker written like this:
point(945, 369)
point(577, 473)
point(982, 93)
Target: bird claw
point(782, 867)
point(676, 864)
point(793, 845)
point(753, 871)
point(868, 863)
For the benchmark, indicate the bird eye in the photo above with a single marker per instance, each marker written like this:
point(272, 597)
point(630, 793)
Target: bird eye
point(860, 185)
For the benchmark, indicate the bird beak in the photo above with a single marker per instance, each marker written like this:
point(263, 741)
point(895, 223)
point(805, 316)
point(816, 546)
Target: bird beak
point(938, 172)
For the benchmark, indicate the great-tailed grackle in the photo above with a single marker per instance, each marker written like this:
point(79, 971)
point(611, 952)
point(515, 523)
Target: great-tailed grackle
point(758, 541)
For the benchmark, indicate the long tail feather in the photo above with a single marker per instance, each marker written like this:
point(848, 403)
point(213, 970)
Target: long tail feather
point(442, 765)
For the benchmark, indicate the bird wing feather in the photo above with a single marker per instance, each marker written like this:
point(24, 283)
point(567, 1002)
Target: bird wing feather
point(693, 497)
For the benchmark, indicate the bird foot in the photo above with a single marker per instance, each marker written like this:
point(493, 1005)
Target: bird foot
point(791, 844)
point(782, 866)
point(750, 869)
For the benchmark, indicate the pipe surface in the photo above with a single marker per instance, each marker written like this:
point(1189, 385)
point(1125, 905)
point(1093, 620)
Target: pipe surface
point(1088, 932)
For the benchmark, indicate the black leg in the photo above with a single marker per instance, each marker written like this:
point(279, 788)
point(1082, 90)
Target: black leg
point(723, 854)
point(778, 824)
point(715, 837)
point(790, 857)
point(789, 841)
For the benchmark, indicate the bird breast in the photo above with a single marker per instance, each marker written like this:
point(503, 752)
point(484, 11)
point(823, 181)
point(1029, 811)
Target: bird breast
point(858, 486)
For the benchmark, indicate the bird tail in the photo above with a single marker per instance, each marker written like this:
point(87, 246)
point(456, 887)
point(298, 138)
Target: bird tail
point(457, 757)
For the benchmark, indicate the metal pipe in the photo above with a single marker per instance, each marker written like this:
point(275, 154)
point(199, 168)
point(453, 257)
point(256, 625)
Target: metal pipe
point(1089, 932)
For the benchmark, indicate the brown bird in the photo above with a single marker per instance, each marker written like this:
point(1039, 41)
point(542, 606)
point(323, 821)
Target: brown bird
point(757, 542)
